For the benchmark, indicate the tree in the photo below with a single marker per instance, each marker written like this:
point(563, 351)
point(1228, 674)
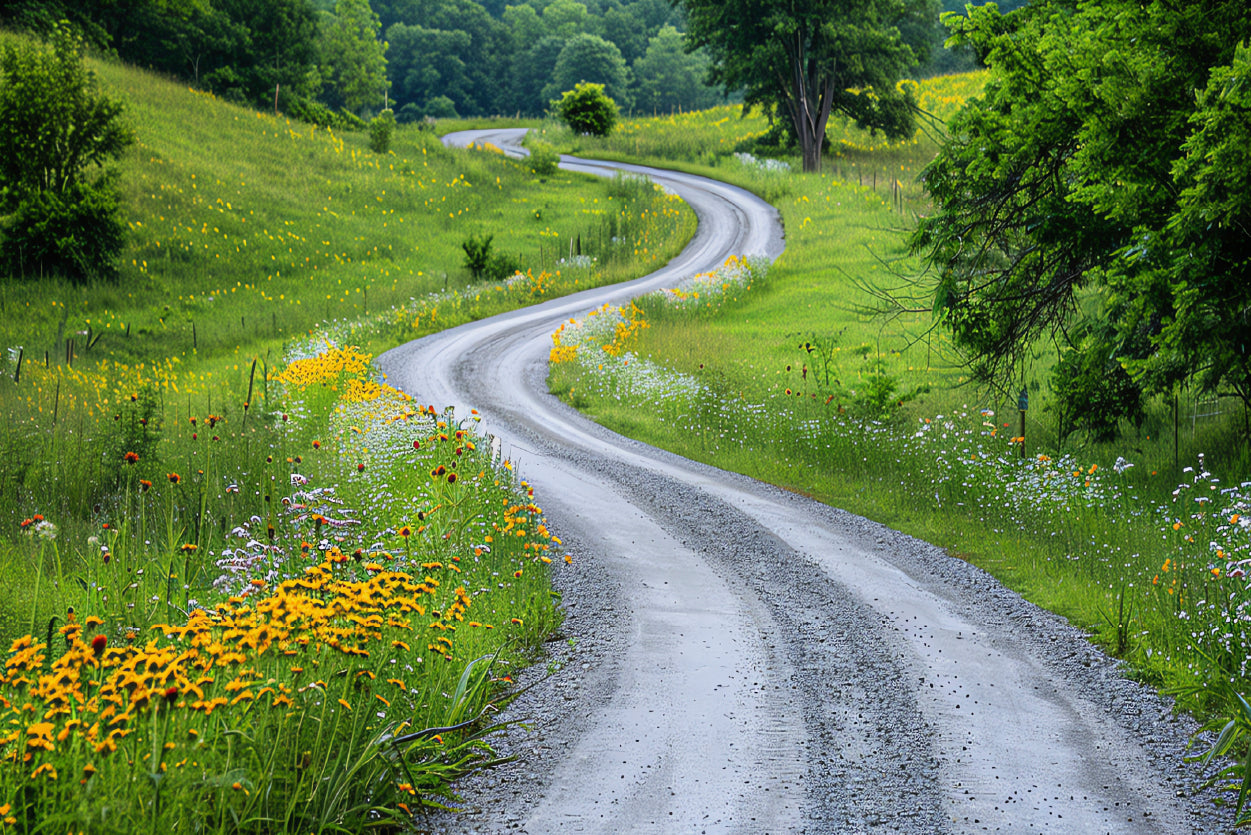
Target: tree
point(58, 197)
point(525, 24)
point(592, 59)
point(1089, 197)
point(428, 63)
point(586, 109)
point(531, 73)
point(670, 78)
point(627, 31)
point(810, 59)
point(565, 18)
point(354, 60)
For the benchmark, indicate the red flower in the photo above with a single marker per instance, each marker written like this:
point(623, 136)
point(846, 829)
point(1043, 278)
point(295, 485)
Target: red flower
point(416, 444)
point(174, 478)
point(98, 643)
point(360, 468)
point(131, 458)
point(451, 478)
point(316, 444)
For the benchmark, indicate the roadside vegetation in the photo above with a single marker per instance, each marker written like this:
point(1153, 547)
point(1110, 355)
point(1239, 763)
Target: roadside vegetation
point(812, 374)
point(244, 584)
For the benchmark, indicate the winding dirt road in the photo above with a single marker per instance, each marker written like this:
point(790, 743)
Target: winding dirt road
point(748, 660)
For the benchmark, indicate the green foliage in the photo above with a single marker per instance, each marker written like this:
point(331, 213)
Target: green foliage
point(590, 59)
point(354, 63)
point(485, 263)
point(1090, 185)
point(75, 232)
point(381, 129)
point(58, 199)
point(587, 109)
point(429, 64)
point(808, 60)
point(477, 254)
point(486, 57)
point(316, 113)
point(543, 159)
point(1093, 391)
point(440, 107)
point(669, 78)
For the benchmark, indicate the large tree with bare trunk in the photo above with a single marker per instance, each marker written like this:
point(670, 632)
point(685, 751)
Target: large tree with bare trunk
point(811, 58)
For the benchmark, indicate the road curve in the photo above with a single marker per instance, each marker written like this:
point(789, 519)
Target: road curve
point(749, 660)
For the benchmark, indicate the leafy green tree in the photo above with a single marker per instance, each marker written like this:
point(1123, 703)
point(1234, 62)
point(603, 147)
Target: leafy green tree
point(623, 28)
point(592, 59)
point(280, 48)
point(58, 197)
point(427, 63)
point(474, 80)
point(1090, 198)
point(810, 59)
point(354, 59)
point(1202, 276)
point(587, 109)
point(565, 18)
point(531, 73)
point(525, 24)
point(670, 78)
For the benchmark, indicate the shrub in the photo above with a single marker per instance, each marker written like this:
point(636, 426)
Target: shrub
point(316, 113)
point(381, 129)
point(441, 107)
point(477, 254)
point(501, 265)
point(483, 263)
point(75, 232)
point(543, 159)
point(587, 109)
point(59, 132)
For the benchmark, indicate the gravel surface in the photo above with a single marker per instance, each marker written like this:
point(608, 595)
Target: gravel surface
point(737, 658)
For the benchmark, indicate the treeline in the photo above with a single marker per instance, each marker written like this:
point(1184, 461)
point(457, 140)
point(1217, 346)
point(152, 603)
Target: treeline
point(338, 59)
point(437, 58)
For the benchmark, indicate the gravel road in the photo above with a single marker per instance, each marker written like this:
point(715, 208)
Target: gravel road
point(737, 658)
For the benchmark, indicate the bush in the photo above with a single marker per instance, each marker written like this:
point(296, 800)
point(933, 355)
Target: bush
point(501, 265)
point(75, 232)
point(410, 113)
point(477, 254)
point(483, 263)
point(316, 113)
point(58, 131)
point(543, 159)
point(441, 107)
point(587, 109)
point(381, 129)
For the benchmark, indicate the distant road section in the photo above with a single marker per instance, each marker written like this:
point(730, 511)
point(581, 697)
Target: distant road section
point(747, 660)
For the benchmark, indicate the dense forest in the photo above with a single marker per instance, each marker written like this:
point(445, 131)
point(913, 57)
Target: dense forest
point(317, 59)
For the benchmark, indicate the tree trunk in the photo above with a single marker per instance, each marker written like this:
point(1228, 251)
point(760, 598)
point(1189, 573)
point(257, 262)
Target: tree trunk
point(810, 146)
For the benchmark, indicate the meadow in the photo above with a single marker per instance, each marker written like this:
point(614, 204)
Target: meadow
point(808, 374)
point(246, 585)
